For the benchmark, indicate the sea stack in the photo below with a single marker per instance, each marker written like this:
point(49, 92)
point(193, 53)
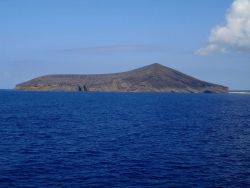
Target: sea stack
point(151, 78)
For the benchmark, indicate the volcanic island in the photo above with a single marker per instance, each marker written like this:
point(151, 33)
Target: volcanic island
point(150, 78)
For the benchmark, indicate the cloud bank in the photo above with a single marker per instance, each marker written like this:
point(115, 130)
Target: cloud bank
point(141, 48)
point(234, 34)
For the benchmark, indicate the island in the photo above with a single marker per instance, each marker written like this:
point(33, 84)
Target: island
point(239, 92)
point(150, 78)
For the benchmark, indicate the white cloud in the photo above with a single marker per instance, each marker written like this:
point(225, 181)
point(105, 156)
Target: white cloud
point(210, 48)
point(234, 34)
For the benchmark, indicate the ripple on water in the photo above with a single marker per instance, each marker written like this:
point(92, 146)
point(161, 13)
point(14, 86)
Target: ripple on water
point(124, 140)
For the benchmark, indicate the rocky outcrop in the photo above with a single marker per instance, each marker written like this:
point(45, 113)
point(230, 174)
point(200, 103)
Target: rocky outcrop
point(151, 78)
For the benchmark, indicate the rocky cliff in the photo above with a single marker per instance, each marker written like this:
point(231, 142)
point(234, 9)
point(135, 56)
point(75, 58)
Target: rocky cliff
point(151, 78)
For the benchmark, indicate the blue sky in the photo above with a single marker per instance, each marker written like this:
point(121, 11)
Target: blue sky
point(104, 36)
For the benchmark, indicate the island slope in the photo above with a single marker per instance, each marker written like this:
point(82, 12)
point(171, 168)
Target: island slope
point(151, 78)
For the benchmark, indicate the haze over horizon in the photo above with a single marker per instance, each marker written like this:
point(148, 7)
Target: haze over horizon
point(209, 40)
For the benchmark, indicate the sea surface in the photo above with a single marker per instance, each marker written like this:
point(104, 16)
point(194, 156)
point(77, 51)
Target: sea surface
point(124, 140)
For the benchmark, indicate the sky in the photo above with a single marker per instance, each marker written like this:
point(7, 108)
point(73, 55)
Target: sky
point(209, 40)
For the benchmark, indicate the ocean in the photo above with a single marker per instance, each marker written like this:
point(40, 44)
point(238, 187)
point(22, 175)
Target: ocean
point(57, 139)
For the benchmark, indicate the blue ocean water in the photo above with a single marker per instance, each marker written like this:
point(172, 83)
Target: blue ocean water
point(124, 140)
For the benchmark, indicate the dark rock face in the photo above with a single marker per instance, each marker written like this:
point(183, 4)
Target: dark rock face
point(151, 78)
